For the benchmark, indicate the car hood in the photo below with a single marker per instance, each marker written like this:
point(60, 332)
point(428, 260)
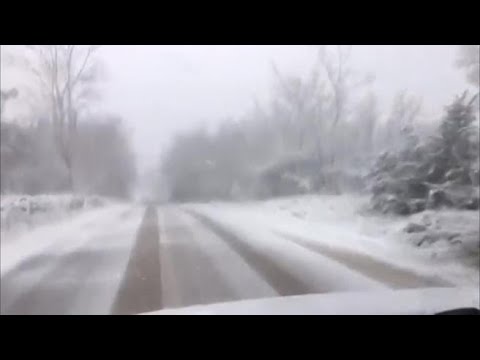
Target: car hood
point(401, 302)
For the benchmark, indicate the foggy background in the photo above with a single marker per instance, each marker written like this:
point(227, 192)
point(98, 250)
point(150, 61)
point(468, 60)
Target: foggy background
point(253, 171)
point(160, 90)
point(243, 121)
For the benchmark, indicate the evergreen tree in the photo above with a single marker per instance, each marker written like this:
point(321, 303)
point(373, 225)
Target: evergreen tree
point(455, 150)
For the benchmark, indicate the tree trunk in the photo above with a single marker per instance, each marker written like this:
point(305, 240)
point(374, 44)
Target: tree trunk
point(70, 179)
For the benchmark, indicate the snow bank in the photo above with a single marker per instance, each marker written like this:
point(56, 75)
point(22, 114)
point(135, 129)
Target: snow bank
point(445, 236)
point(20, 213)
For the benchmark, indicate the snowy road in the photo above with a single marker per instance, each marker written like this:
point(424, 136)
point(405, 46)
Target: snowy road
point(127, 260)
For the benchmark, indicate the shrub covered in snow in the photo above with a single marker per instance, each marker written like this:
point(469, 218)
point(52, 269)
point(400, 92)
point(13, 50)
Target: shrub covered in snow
point(27, 211)
point(289, 177)
point(449, 232)
point(306, 175)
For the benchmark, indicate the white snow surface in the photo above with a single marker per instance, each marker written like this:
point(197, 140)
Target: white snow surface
point(388, 302)
point(342, 222)
point(60, 237)
point(107, 233)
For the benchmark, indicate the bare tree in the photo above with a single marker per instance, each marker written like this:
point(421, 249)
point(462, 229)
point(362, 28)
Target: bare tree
point(299, 106)
point(5, 96)
point(67, 74)
point(402, 120)
point(341, 83)
point(104, 161)
point(335, 64)
point(365, 121)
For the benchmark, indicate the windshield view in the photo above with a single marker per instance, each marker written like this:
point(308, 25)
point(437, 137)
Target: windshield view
point(239, 179)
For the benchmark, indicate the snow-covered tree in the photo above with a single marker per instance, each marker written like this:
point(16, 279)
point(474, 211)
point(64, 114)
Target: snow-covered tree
point(455, 149)
point(440, 171)
point(469, 60)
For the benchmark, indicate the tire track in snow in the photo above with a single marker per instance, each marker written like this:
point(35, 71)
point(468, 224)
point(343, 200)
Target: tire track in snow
point(373, 268)
point(189, 275)
point(284, 283)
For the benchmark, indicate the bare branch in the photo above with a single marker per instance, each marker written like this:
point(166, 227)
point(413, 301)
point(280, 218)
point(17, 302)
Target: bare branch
point(90, 51)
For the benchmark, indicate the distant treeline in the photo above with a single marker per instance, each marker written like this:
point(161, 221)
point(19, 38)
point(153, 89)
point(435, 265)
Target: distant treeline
point(102, 159)
point(323, 133)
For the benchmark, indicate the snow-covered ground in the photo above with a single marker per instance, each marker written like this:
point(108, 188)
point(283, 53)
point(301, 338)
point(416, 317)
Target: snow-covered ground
point(22, 213)
point(343, 222)
point(76, 264)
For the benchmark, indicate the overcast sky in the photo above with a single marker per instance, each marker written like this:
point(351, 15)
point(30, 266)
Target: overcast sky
point(160, 90)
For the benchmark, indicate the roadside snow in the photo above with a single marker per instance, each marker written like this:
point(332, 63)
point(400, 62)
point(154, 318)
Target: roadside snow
point(21, 213)
point(343, 222)
point(61, 236)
